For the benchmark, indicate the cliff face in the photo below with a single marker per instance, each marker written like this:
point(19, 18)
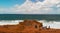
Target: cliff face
point(28, 26)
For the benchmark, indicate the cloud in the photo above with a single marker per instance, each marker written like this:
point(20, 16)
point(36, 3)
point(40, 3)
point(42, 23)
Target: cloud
point(46, 7)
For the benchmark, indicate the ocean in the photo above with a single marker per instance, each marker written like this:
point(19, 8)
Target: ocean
point(47, 19)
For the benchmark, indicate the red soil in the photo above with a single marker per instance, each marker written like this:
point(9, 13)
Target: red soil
point(28, 26)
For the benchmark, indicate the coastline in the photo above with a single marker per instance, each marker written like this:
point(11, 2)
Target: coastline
point(52, 24)
point(28, 26)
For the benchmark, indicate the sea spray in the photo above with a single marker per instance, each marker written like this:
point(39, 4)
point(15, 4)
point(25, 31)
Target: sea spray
point(52, 24)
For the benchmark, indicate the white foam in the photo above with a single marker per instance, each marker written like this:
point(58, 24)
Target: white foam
point(52, 24)
point(10, 22)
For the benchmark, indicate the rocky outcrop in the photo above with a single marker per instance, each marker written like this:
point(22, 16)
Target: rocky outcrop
point(27, 26)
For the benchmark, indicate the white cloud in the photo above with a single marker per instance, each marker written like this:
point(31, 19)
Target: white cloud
point(46, 7)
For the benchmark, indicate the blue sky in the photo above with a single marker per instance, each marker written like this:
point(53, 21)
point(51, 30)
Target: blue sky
point(29, 6)
point(36, 0)
point(9, 3)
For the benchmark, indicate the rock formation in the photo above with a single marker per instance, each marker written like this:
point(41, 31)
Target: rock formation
point(27, 26)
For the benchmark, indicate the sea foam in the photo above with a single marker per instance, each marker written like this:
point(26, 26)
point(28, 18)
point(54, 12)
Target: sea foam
point(52, 24)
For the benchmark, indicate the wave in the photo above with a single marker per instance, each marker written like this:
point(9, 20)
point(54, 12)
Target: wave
point(10, 22)
point(52, 24)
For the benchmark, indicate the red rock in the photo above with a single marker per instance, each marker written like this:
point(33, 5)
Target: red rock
point(28, 26)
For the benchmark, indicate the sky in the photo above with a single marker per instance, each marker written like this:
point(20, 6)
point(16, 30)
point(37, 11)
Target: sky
point(29, 6)
point(9, 3)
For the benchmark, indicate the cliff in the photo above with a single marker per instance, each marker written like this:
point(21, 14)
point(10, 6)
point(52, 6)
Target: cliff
point(27, 26)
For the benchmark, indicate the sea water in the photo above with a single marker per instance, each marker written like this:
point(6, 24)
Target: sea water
point(52, 20)
point(48, 17)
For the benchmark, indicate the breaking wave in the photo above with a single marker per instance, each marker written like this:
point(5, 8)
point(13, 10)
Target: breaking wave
point(10, 22)
point(52, 24)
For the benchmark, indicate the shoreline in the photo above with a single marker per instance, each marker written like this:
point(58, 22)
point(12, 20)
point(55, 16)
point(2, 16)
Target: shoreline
point(53, 24)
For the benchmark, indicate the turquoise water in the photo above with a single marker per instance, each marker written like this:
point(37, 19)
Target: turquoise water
point(29, 16)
